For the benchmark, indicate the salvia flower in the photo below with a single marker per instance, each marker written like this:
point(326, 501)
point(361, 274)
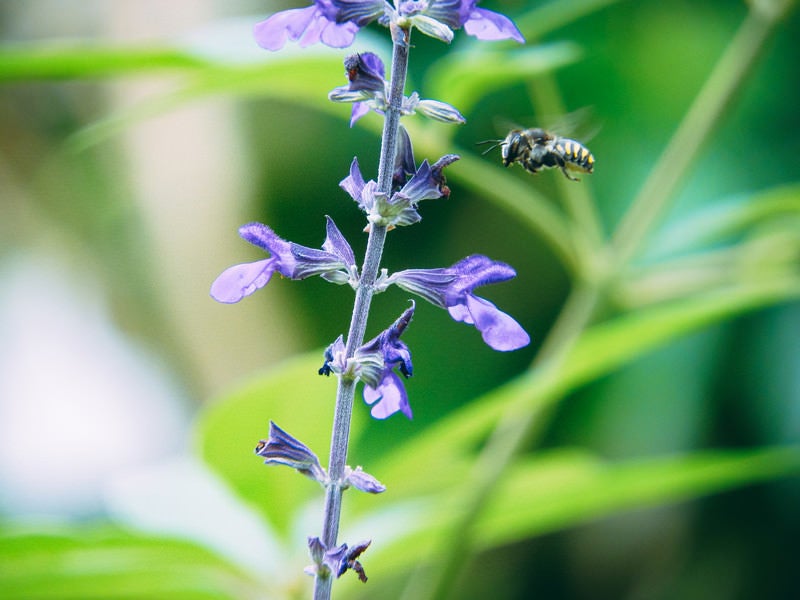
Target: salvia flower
point(399, 208)
point(368, 90)
point(374, 364)
point(336, 22)
point(383, 388)
point(452, 288)
point(335, 262)
point(283, 449)
point(336, 560)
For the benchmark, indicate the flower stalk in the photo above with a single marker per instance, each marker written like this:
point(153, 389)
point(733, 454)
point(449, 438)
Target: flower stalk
point(345, 391)
point(390, 201)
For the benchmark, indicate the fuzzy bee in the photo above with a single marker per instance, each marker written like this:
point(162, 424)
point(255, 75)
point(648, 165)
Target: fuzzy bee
point(536, 149)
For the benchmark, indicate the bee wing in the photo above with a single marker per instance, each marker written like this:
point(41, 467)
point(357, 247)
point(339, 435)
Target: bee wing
point(580, 124)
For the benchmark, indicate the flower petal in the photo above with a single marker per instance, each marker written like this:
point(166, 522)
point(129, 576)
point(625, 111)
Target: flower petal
point(359, 110)
point(336, 244)
point(499, 330)
point(489, 25)
point(388, 398)
point(272, 33)
point(238, 281)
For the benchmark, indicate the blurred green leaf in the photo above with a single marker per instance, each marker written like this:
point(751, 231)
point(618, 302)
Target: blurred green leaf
point(463, 78)
point(563, 489)
point(446, 449)
point(548, 17)
point(109, 563)
point(273, 79)
point(83, 60)
point(296, 399)
point(721, 221)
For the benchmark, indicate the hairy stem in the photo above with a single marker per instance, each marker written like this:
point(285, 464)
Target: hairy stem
point(345, 392)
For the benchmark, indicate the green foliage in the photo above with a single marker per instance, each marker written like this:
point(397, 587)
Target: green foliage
point(106, 562)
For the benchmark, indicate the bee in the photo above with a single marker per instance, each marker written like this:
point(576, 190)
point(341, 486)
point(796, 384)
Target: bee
point(536, 149)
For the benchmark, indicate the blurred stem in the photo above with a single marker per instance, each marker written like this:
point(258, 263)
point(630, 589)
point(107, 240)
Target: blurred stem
point(701, 119)
point(516, 429)
point(345, 391)
point(518, 426)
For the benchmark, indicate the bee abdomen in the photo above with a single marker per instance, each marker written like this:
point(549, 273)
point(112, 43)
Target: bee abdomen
point(576, 153)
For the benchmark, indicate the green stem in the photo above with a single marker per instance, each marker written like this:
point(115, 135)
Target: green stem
point(694, 131)
point(517, 428)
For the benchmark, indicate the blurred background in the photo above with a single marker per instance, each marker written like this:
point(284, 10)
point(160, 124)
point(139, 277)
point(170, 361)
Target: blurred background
point(112, 229)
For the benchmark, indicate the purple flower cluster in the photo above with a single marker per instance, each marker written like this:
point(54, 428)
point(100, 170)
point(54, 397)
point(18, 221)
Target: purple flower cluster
point(368, 90)
point(336, 22)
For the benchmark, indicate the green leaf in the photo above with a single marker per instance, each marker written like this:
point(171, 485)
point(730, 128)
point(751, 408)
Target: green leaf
point(108, 563)
point(463, 78)
point(84, 60)
point(560, 489)
point(546, 18)
point(444, 451)
point(275, 78)
point(298, 400)
point(563, 488)
point(721, 221)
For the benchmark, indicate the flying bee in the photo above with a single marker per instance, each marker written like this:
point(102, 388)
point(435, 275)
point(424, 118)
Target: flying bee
point(536, 149)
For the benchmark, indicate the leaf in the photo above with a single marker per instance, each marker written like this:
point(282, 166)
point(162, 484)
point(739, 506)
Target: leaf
point(546, 18)
point(299, 401)
point(559, 490)
point(276, 79)
point(108, 563)
point(721, 221)
point(442, 452)
point(85, 60)
point(564, 488)
point(463, 78)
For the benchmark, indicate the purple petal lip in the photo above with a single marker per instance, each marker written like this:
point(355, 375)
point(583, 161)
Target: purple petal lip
point(238, 281)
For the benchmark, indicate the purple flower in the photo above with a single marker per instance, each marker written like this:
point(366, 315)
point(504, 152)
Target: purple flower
point(335, 262)
point(429, 15)
point(283, 449)
point(400, 208)
point(368, 90)
point(321, 22)
point(346, 559)
point(383, 388)
point(452, 288)
point(336, 560)
point(336, 22)
point(374, 364)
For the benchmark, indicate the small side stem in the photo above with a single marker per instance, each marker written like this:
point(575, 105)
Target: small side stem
point(345, 392)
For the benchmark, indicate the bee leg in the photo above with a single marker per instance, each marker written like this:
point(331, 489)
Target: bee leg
point(567, 175)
